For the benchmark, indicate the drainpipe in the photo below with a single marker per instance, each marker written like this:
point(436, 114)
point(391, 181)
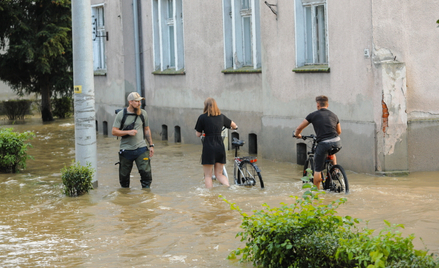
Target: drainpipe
point(136, 46)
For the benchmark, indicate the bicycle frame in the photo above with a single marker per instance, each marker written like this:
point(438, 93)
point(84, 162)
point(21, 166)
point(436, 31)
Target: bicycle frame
point(329, 171)
point(328, 161)
point(243, 167)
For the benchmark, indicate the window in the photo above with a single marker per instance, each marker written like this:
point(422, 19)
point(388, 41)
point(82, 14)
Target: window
point(311, 33)
point(242, 38)
point(167, 24)
point(99, 37)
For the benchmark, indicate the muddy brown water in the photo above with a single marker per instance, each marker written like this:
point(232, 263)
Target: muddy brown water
point(177, 223)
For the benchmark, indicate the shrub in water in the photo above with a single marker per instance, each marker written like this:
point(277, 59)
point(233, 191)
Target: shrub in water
point(62, 107)
point(13, 147)
point(308, 233)
point(16, 109)
point(77, 179)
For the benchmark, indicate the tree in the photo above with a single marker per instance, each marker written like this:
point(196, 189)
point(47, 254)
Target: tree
point(36, 39)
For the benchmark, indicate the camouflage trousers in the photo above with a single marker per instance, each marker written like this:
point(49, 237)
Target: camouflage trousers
point(143, 164)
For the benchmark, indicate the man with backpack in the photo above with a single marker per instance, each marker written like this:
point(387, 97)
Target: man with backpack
point(131, 124)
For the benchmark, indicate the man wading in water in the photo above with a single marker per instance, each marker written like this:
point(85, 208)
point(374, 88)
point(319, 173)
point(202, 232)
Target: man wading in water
point(132, 125)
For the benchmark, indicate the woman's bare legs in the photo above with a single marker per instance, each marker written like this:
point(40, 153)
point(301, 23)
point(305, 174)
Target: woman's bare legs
point(219, 174)
point(218, 167)
point(208, 176)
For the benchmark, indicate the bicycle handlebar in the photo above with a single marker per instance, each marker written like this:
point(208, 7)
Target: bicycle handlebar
point(312, 136)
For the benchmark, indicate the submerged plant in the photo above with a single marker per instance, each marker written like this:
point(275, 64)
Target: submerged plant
point(77, 179)
point(308, 233)
point(62, 107)
point(13, 150)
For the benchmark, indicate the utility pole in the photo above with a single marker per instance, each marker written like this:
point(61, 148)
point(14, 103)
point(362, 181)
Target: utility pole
point(84, 95)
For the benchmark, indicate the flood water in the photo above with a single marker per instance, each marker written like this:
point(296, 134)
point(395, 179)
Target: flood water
point(177, 223)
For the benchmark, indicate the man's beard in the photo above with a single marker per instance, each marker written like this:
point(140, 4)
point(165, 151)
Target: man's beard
point(137, 110)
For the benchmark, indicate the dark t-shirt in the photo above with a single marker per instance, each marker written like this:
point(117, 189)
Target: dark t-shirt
point(324, 122)
point(213, 145)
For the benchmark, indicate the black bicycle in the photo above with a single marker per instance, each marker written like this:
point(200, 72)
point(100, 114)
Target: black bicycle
point(334, 176)
point(245, 170)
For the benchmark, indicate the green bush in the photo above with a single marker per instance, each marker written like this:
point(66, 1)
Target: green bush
point(62, 107)
point(16, 109)
point(77, 179)
point(13, 147)
point(308, 233)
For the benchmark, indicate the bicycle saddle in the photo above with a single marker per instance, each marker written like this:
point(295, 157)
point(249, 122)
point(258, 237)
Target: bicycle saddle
point(237, 142)
point(334, 150)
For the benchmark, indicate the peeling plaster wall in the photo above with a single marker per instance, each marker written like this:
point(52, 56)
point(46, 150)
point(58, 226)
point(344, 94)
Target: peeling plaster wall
point(391, 136)
point(376, 98)
point(405, 31)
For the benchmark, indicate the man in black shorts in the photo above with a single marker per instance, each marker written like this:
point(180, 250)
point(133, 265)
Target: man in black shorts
point(327, 128)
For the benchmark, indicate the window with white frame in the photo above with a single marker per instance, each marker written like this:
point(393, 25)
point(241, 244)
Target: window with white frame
point(99, 38)
point(242, 37)
point(311, 32)
point(167, 24)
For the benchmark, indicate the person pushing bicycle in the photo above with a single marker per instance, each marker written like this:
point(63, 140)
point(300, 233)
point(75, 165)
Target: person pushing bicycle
point(327, 128)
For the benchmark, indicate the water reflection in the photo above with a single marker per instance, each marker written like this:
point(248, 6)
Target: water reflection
point(177, 223)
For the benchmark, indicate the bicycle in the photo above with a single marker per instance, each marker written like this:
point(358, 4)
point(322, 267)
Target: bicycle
point(245, 170)
point(334, 176)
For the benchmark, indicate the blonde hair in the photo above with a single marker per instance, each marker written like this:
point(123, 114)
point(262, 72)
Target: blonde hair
point(211, 108)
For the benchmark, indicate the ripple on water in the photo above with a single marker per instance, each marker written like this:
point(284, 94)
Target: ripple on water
point(177, 223)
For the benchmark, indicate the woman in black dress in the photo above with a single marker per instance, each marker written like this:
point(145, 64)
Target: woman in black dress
point(211, 122)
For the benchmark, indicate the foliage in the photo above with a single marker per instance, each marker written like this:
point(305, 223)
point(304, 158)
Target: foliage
point(13, 149)
point(308, 233)
point(37, 41)
point(388, 249)
point(16, 109)
point(62, 107)
point(77, 179)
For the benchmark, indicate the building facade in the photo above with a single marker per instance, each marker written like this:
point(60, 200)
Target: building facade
point(265, 62)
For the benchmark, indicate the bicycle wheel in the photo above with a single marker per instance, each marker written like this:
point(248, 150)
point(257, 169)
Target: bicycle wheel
point(247, 174)
point(339, 183)
point(309, 163)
